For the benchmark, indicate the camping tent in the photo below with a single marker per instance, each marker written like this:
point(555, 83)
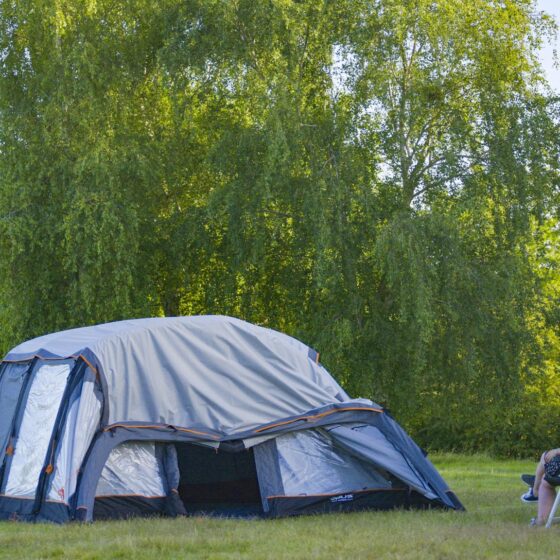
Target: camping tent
point(180, 415)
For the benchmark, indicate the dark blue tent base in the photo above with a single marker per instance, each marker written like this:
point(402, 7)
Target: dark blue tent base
point(282, 506)
point(123, 507)
point(23, 509)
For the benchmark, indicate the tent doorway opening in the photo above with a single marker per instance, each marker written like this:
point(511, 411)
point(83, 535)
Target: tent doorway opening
point(218, 482)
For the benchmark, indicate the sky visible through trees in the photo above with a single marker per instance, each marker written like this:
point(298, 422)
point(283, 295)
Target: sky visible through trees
point(548, 51)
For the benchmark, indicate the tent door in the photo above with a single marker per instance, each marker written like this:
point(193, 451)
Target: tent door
point(218, 482)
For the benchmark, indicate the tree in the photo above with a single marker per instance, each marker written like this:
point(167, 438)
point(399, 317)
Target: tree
point(376, 177)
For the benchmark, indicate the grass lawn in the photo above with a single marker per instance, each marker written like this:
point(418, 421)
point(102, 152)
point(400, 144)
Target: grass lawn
point(495, 526)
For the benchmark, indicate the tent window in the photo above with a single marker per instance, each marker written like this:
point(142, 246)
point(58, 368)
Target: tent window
point(138, 479)
point(40, 413)
point(218, 482)
point(132, 468)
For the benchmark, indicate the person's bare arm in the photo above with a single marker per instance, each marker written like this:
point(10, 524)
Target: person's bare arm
point(550, 454)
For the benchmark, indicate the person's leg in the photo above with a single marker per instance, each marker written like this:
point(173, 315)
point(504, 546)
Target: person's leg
point(547, 495)
point(539, 473)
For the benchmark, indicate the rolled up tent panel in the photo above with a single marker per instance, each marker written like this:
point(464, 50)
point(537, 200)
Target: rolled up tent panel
point(170, 416)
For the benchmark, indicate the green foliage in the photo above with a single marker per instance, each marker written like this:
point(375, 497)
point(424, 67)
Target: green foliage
point(376, 177)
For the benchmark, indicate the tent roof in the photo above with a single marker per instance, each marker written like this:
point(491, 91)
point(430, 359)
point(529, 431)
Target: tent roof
point(208, 372)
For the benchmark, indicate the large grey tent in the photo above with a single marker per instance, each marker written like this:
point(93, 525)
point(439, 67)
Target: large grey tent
point(168, 416)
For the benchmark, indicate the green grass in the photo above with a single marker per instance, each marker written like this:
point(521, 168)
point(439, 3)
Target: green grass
point(495, 526)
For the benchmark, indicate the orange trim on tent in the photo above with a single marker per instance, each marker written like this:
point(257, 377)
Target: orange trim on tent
point(316, 416)
point(90, 365)
point(159, 426)
point(16, 361)
point(263, 429)
point(45, 358)
point(74, 356)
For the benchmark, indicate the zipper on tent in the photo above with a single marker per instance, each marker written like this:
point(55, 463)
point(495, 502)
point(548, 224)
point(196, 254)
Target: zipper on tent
point(74, 379)
point(13, 427)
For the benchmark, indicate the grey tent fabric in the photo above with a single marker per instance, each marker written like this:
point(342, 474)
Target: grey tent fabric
point(171, 467)
point(215, 372)
point(311, 464)
point(268, 469)
point(368, 443)
point(307, 462)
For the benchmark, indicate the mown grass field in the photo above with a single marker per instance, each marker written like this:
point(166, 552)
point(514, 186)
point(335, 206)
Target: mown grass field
point(495, 526)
